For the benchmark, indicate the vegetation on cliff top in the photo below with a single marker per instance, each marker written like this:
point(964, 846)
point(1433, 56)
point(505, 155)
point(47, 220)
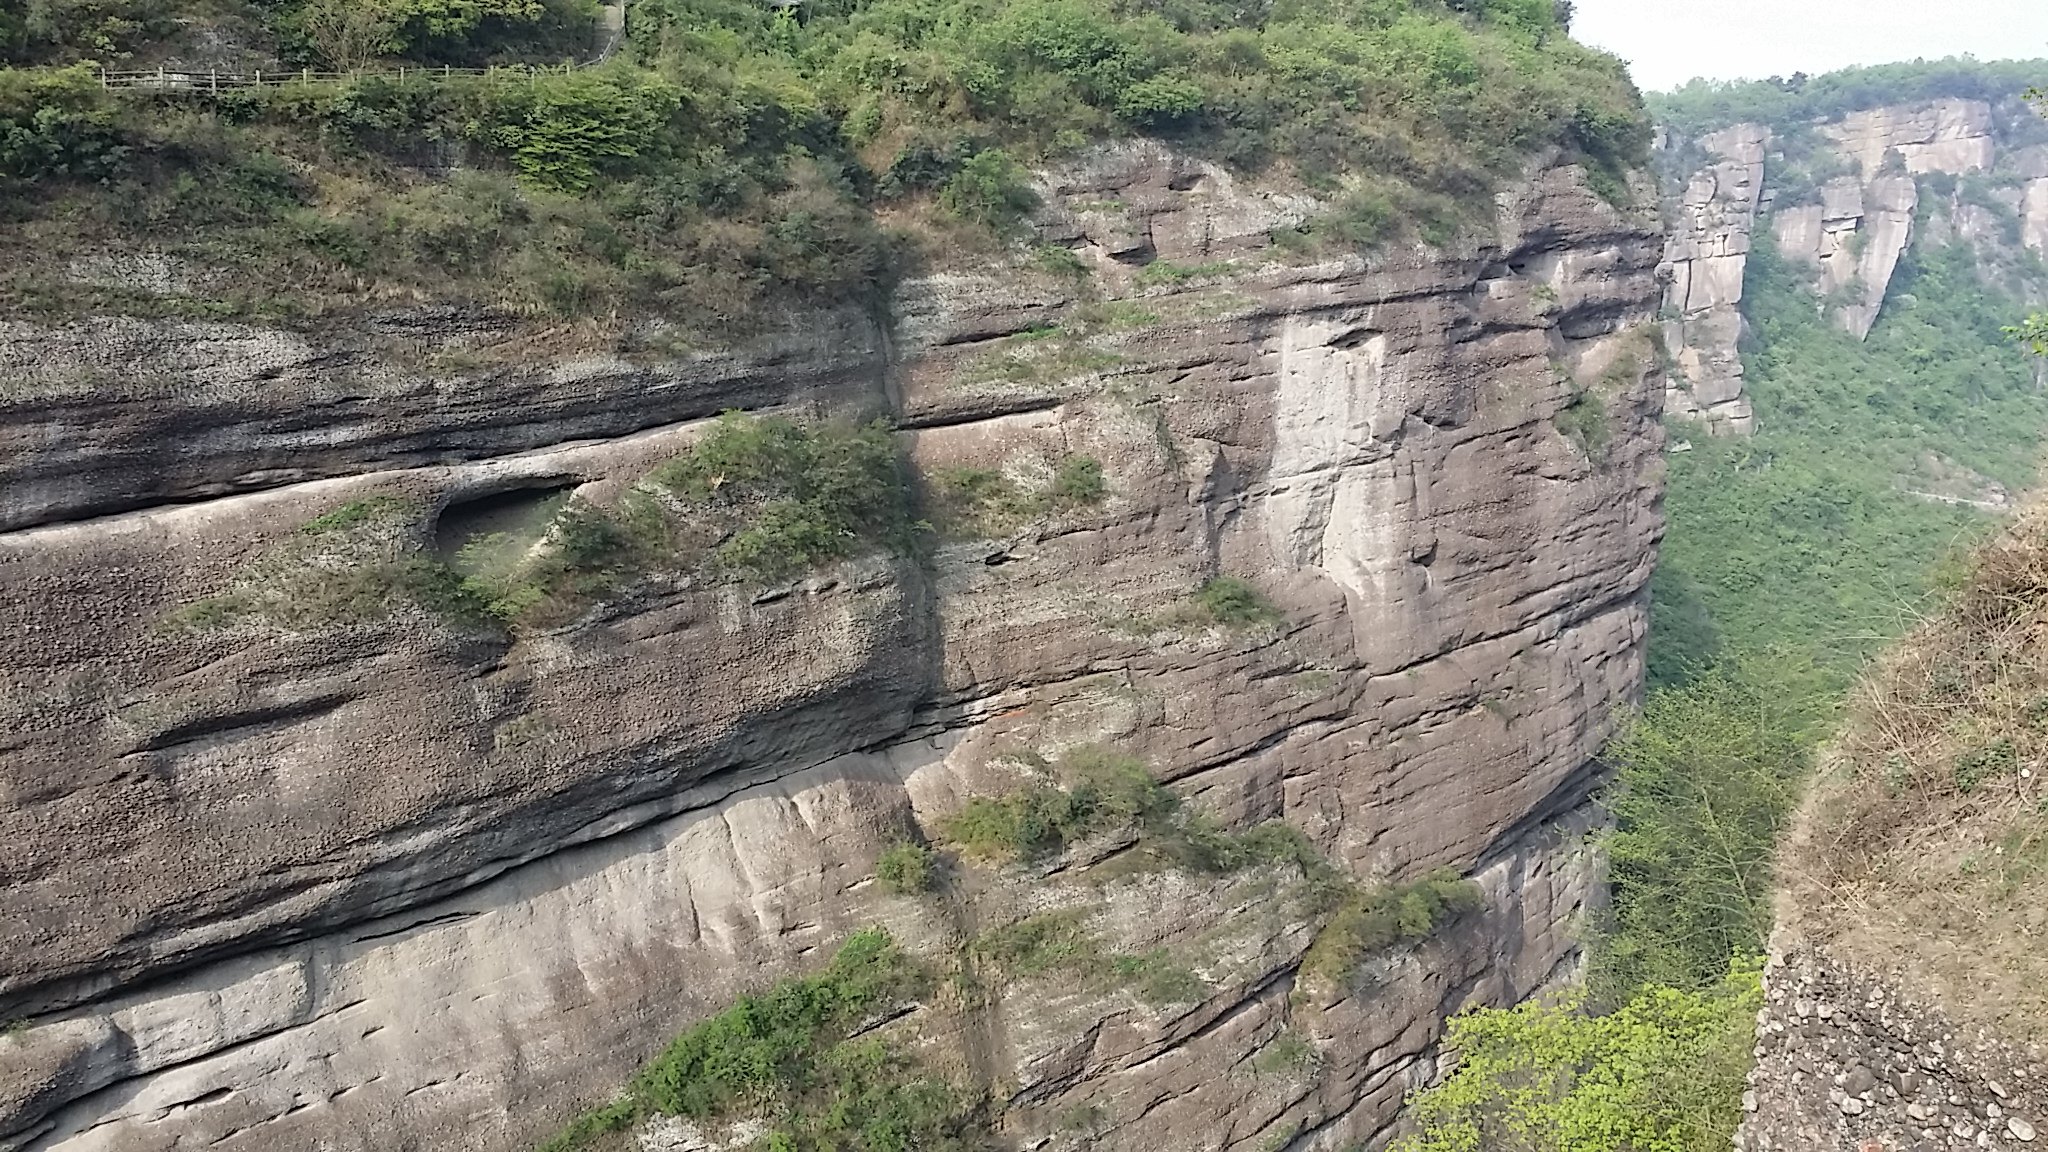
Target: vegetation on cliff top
point(734, 154)
point(1791, 102)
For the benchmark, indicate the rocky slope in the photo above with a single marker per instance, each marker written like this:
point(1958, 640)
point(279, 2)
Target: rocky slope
point(1848, 1059)
point(376, 878)
point(1846, 199)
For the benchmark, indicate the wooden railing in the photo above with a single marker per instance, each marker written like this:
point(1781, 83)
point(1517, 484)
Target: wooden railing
point(176, 80)
point(611, 25)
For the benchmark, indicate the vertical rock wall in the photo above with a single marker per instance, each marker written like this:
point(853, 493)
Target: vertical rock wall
point(1852, 230)
point(1708, 252)
point(381, 879)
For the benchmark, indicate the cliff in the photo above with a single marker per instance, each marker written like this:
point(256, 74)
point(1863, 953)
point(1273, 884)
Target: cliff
point(295, 856)
point(1845, 198)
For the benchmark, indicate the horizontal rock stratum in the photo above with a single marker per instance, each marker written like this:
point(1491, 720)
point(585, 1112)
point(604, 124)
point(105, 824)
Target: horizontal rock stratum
point(390, 882)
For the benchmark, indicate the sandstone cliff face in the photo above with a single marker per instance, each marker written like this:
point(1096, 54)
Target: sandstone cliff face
point(1855, 237)
point(1852, 230)
point(392, 881)
point(1708, 251)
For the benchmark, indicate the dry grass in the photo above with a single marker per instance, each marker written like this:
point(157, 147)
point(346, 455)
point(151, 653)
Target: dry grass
point(1924, 845)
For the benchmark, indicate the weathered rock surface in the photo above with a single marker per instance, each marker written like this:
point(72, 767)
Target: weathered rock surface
point(1853, 230)
point(397, 882)
point(1708, 252)
point(1950, 135)
point(1855, 236)
point(1846, 1060)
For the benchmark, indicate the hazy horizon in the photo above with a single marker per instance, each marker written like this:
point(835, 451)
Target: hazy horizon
point(1670, 42)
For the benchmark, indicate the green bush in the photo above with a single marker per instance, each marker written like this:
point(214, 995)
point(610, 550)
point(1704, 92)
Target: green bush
point(1666, 1071)
point(907, 869)
point(58, 125)
point(983, 500)
point(1986, 763)
point(1059, 943)
point(353, 565)
point(1236, 604)
point(788, 1057)
point(797, 495)
point(565, 131)
point(1369, 920)
point(1585, 423)
point(990, 189)
point(1078, 482)
point(1106, 791)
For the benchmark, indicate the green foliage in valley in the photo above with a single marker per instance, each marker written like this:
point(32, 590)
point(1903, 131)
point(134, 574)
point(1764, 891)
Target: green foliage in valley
point(1820, 536)
point(1792, 556)
point(734, 156)
point(799, 1058)
point(1663, 1073)
point(1705, 779)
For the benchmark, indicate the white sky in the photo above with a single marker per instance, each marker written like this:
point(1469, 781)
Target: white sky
point(1668, 42)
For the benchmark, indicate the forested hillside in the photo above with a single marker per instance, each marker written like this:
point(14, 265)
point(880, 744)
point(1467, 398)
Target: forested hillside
point(733, 154)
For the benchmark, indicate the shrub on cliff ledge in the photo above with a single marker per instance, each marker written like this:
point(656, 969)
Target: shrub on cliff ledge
point(1105, 791)
point(789, 1058)
point(1368, 920)
point(1236, 604)
point(795, 495)
point(907, 869)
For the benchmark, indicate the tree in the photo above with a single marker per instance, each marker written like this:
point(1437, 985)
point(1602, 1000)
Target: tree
point(2032, 332)
point(351, 34)
point(1664, 1073)
point(1705, 778)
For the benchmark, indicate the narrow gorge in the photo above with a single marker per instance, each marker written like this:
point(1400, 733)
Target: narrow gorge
point(1046, 576)
point(1844, 266)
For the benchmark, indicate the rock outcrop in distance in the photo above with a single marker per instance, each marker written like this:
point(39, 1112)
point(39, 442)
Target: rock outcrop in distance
point(363, 875)
point(1843, 198)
